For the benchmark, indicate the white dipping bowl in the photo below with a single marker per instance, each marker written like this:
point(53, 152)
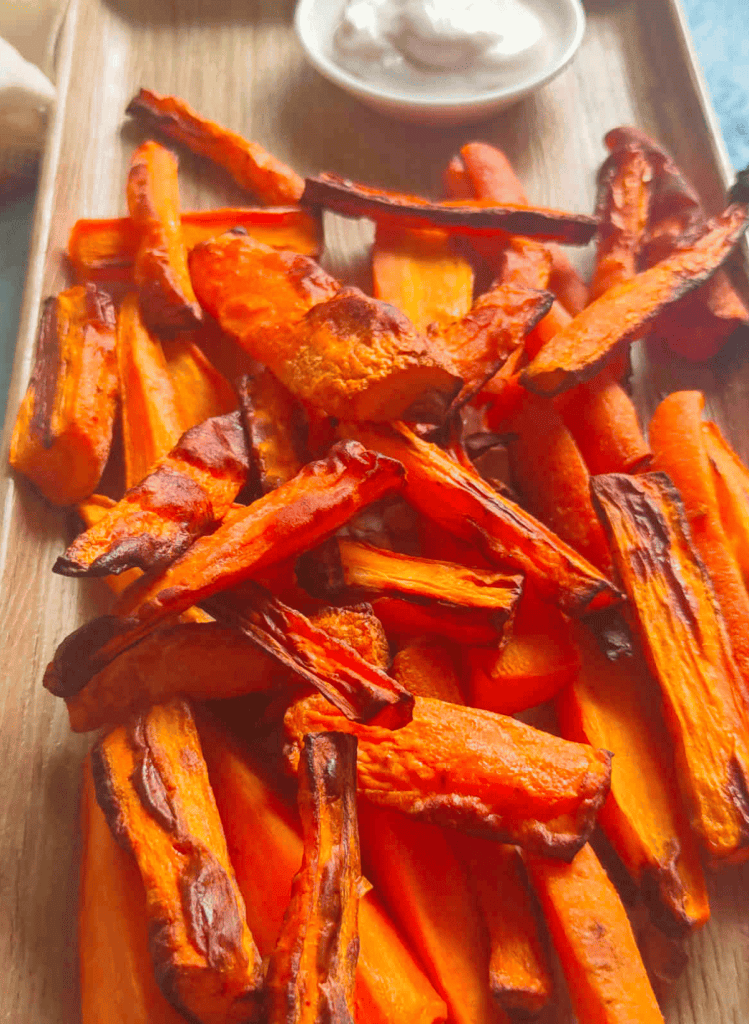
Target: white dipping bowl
point(315, 22)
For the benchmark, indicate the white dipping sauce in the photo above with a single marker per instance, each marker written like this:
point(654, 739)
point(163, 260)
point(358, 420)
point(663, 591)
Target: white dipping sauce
point(446, 46)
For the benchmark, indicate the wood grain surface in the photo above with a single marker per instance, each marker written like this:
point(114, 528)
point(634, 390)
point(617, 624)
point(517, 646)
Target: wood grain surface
point(238, 62)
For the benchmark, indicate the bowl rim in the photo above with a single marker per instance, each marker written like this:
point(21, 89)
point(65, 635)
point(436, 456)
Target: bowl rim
point(486, 97)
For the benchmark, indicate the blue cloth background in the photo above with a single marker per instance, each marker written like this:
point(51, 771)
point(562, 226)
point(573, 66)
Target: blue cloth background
point(721, 34)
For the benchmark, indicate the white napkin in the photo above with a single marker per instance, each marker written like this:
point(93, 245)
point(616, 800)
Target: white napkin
point(28, 31)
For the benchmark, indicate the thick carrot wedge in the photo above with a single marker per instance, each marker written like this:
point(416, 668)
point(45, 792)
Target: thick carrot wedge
point(731, 479)
point(167, 298)
point(680, 449)
point(550, 474)
point(186, 495)
point(463, 504)
point(486, 774)
point(478, 216)
point(624, 312)
point(602, 418)
point(63, 432)
point(250, 165)
point(688, 650)
point(422, 274)
point(202, 392)
point(104, 249)
point(610, 704)
point(423, 881)
point(115, 972)
point(311, 974)
point(625, 187)
point(266, 851)
point(606, 978)
point(151, 414)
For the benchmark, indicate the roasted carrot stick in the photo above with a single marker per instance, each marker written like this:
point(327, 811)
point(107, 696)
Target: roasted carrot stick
point(422, 274)
point(276, 427)
point(486, 774)
point(115, 968)
point(186, 495)
point(625, 186)
point(602, 418)
point(610, 704)
point(425, 884)
point(151, 414)
point(63, 432)
point(679, 449)
point(731, 479)
point(687, 647)
point(406, 620)
point(468, 217)
point(622, 313)
point(250, 165)
point(550, 474)
point(606, 978)
point(462, 503)
point(266, 851)
point(167, 298)
point(311, 975)
point(202, 392)
point(104, 249)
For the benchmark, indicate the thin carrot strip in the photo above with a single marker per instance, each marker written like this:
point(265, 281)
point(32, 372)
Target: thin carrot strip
point(731, 479)
point(202, 392)
point(606, 978)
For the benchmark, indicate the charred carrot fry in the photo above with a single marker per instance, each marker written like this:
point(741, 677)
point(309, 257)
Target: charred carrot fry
point(519, 975)
point(115, 969)
point(422, 878)
point(462, 503)
point(549, 472)
point(477, 216)
point(152, 784)
point(731, 479)
point(202, 392)
point(606, 978)
point(151, 415)
point(680, 450)
point(422, 274)
point(602, 418)
point(104, 249)
point(189, 492)
point(63, 431)
point(250, 165)
point(687, 647)
point(276, 428)
point(622, 313)
point(625, 185)
point(610, 704)
point(483, 773)
point(266, 851)
point(167, 298)
point(311, 974)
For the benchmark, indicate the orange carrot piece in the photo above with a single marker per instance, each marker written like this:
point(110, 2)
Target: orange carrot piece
point(680, 450)
point(606, 978)
point(151, 415)
point(425, 884)
point(406, 620)
point(422, 274)
point(731, 479)
point(103, 249)
point(251, 166)
point(602, 418)
point(277, 429)
point(202, 392)
point(624, 193)
point(167, 298)
point(550, 474)
point(427, 667)
point(266, 850)
point(610, 704)
point(115, 968)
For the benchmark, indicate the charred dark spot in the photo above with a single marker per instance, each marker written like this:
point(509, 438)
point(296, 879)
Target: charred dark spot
point(44, 379)
point(320, 571)
point(106, 797)
point(212, 915)
point(218, 445)
point(148, 782)
point(738, 791)
point(77, 658)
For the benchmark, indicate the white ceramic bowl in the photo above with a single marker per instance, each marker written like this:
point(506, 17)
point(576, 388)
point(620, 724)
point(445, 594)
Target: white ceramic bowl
point(315, 23)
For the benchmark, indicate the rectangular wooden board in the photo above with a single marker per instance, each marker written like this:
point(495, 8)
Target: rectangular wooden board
point(238, 62)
